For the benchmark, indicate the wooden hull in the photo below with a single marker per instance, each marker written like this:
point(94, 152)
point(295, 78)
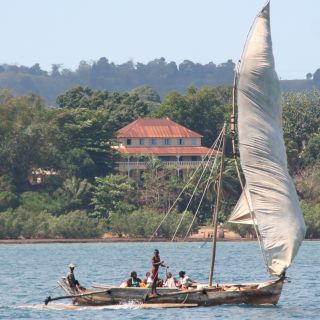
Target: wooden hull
point(254, 293)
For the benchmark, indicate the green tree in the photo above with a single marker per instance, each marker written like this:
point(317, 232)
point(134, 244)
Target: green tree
point(148, 95)
point(309, 76)
point(144, 222)
point(113, 193)
point(84, 138)
point(76, 193)
point(311, 214)
point(41, 201)
point(8, 200)
point(316, 77)
point(27, 138)
point(301, 119)
point(116, 109)
point(119, 224)
point(201, 110)
point(7, 183)
point(311, 154)
point(5, 95)
point(82, 97)
point(77, 224)
point(125, 108)
point(26, 224)
point(307, 182)
point(152, 192)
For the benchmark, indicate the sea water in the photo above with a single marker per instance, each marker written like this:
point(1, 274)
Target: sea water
point(28, 272)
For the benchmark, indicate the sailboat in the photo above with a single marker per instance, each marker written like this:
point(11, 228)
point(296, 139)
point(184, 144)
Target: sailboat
point(269, 200)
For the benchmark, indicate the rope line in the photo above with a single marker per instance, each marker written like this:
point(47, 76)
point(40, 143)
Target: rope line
point(194, 191)
point(185, 187)
point(202, 197)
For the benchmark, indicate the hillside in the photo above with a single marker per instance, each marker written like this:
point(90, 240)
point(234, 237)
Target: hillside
point(163, 76)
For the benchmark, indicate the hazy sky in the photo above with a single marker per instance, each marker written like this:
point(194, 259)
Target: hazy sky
point(68, 31)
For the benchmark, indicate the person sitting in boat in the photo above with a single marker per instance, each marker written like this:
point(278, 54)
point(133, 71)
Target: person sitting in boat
point(185, 281)
point(170, 281)
point(148, 280)
point(133, 281)
point(156, 263)
point(73, 283)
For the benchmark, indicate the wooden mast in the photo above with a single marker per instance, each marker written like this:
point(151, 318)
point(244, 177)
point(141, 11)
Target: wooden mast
point(216, 208)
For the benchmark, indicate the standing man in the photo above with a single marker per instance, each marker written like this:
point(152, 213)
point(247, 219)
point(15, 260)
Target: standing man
point(156, 263)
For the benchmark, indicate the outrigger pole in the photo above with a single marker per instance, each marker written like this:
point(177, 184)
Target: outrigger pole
point(49, 299)
point(217, 207)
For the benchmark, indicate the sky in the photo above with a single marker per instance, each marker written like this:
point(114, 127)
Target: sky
point(68, 31)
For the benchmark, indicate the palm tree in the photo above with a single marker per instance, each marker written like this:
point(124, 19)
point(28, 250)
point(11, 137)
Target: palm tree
point(77, 193)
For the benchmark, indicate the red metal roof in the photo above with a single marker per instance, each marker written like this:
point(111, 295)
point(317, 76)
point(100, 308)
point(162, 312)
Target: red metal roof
point(156, 128)
point(164, 150)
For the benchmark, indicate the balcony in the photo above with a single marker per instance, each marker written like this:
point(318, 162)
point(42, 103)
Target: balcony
point(141, 165)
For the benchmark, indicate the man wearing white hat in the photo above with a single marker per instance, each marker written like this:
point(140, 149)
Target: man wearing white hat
point(73, 283)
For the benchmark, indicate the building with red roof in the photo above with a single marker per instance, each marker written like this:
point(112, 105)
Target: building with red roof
point(174, 144)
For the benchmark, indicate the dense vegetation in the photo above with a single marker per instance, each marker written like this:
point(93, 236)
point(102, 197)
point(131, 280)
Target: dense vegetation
point(86, 198)
point(104, 75)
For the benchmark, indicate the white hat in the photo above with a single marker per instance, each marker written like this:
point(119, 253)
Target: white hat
point(71, 265)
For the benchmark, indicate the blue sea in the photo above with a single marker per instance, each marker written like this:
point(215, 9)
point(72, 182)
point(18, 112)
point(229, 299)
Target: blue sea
point(28, 272)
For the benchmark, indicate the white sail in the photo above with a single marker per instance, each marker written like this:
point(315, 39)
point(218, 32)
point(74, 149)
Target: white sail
point(271, 191)
point(242, 212)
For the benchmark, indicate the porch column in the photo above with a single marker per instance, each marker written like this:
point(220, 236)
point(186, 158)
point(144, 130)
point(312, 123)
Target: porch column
point(128, 166)
point(178, 168)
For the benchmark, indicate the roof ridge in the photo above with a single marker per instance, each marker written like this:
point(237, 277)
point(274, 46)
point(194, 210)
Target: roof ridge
point(156, 128)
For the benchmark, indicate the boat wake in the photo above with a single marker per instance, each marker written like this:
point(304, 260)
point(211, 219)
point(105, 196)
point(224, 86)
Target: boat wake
point(60, 306)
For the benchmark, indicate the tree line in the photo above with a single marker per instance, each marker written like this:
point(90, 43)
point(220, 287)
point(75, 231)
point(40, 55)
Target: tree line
point(87, 198)
point(102, 74)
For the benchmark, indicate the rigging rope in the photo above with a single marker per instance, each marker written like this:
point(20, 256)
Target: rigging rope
point(204, 192)
point(196, 213)
point(196, 187)
point(193, 193)
point(211, 149)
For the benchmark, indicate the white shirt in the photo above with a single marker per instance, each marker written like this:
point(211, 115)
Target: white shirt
point(185, 281)
point(170, 283)
point(149, 281)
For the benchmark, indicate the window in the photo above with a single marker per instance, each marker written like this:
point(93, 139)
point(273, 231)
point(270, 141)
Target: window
point(180, 141)
point(194, 141)
point(165, 158)
point(141, 142)
point(167, 141)
point(128, 142)
point(153, 141)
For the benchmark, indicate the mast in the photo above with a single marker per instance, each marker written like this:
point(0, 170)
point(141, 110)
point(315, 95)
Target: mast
point(216, 208)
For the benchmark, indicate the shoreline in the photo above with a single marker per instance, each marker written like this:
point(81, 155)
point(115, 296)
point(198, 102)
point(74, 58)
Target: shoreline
point(119, 240)
point(109, 240)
